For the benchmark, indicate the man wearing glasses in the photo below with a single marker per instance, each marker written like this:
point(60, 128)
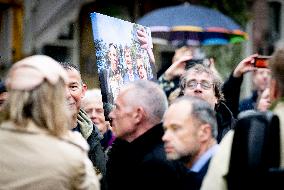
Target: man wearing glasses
point(199, 80)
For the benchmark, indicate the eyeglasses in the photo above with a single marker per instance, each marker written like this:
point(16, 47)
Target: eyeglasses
point(192, 84)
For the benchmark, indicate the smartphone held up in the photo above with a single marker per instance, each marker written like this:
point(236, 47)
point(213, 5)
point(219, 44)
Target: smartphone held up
point(261, 61)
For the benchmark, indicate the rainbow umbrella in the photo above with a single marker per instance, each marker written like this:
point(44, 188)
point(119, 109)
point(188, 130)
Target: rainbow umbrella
point(193, 24)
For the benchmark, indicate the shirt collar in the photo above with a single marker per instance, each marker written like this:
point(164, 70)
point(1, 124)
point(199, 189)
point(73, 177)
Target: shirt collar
point(197, 166)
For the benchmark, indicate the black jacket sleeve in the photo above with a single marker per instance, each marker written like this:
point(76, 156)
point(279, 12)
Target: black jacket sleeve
point(231, 90)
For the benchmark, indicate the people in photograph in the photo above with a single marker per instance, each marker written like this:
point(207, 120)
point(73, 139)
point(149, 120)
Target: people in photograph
point(130, 73)
point(190, 138)
point(115, 80)
point(110, 78)
point(38, 151)
point(142, 72)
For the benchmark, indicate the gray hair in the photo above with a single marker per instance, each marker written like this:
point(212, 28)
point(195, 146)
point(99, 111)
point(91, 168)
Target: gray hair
point(150, 96)
point(201, 111)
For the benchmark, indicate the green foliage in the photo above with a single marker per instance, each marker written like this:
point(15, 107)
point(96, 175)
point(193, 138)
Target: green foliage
point(226, 57)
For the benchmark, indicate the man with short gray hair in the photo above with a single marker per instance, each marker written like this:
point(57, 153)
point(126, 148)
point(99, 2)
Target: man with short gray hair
point(190, 137)
point(137, 159)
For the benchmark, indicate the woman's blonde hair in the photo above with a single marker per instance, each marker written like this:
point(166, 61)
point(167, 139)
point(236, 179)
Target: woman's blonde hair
point(45, 105)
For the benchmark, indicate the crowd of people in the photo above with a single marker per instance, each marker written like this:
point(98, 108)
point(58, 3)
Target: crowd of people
point(173, 133)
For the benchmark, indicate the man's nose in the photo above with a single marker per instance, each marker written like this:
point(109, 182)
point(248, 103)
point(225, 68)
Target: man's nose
point(198, 87)
point(67, 92)
point(166, 135)
point(94, 113)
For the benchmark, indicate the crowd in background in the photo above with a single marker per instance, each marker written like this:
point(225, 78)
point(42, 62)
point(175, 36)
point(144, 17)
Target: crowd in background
point(54, 133)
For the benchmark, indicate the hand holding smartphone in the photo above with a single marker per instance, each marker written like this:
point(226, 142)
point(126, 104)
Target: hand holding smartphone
point(261, 61)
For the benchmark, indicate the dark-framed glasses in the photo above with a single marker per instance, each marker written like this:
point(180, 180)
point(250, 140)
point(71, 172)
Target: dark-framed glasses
point(192, 84)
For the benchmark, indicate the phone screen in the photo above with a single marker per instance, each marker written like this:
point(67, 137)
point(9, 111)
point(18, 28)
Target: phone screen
point(261, 61)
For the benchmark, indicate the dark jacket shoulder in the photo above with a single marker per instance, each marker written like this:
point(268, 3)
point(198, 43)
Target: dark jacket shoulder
point(141, 164)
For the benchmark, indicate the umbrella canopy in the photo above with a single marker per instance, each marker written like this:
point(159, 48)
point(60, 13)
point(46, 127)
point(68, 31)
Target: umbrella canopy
point(195, 24)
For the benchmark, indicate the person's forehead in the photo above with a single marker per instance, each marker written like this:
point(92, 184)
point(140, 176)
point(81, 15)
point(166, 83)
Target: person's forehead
point(94, 104)
point(73, 75)
point(193, 74)
point(262, 71)
point(124, 95)
point(178, 111)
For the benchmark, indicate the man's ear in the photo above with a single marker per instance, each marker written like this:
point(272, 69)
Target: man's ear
point(205, 132)
point(84, 89)
point(138, 114)
point(274, 90)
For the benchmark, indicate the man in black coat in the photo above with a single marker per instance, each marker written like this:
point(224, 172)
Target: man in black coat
point(137, 158)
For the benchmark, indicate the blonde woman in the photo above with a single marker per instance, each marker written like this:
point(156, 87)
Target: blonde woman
point(38, 151)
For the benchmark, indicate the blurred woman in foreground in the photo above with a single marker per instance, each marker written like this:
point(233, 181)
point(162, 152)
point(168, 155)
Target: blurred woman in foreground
point(37, 149)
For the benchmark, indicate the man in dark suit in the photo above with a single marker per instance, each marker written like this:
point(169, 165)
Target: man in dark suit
point(137, 159)
point(190, 137)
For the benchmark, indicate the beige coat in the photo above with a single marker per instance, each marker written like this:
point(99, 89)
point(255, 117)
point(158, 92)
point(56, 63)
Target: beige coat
point(219, 165)
point(33, 159)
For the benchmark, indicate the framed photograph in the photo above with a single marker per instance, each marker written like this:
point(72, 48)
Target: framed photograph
point(121, 55)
